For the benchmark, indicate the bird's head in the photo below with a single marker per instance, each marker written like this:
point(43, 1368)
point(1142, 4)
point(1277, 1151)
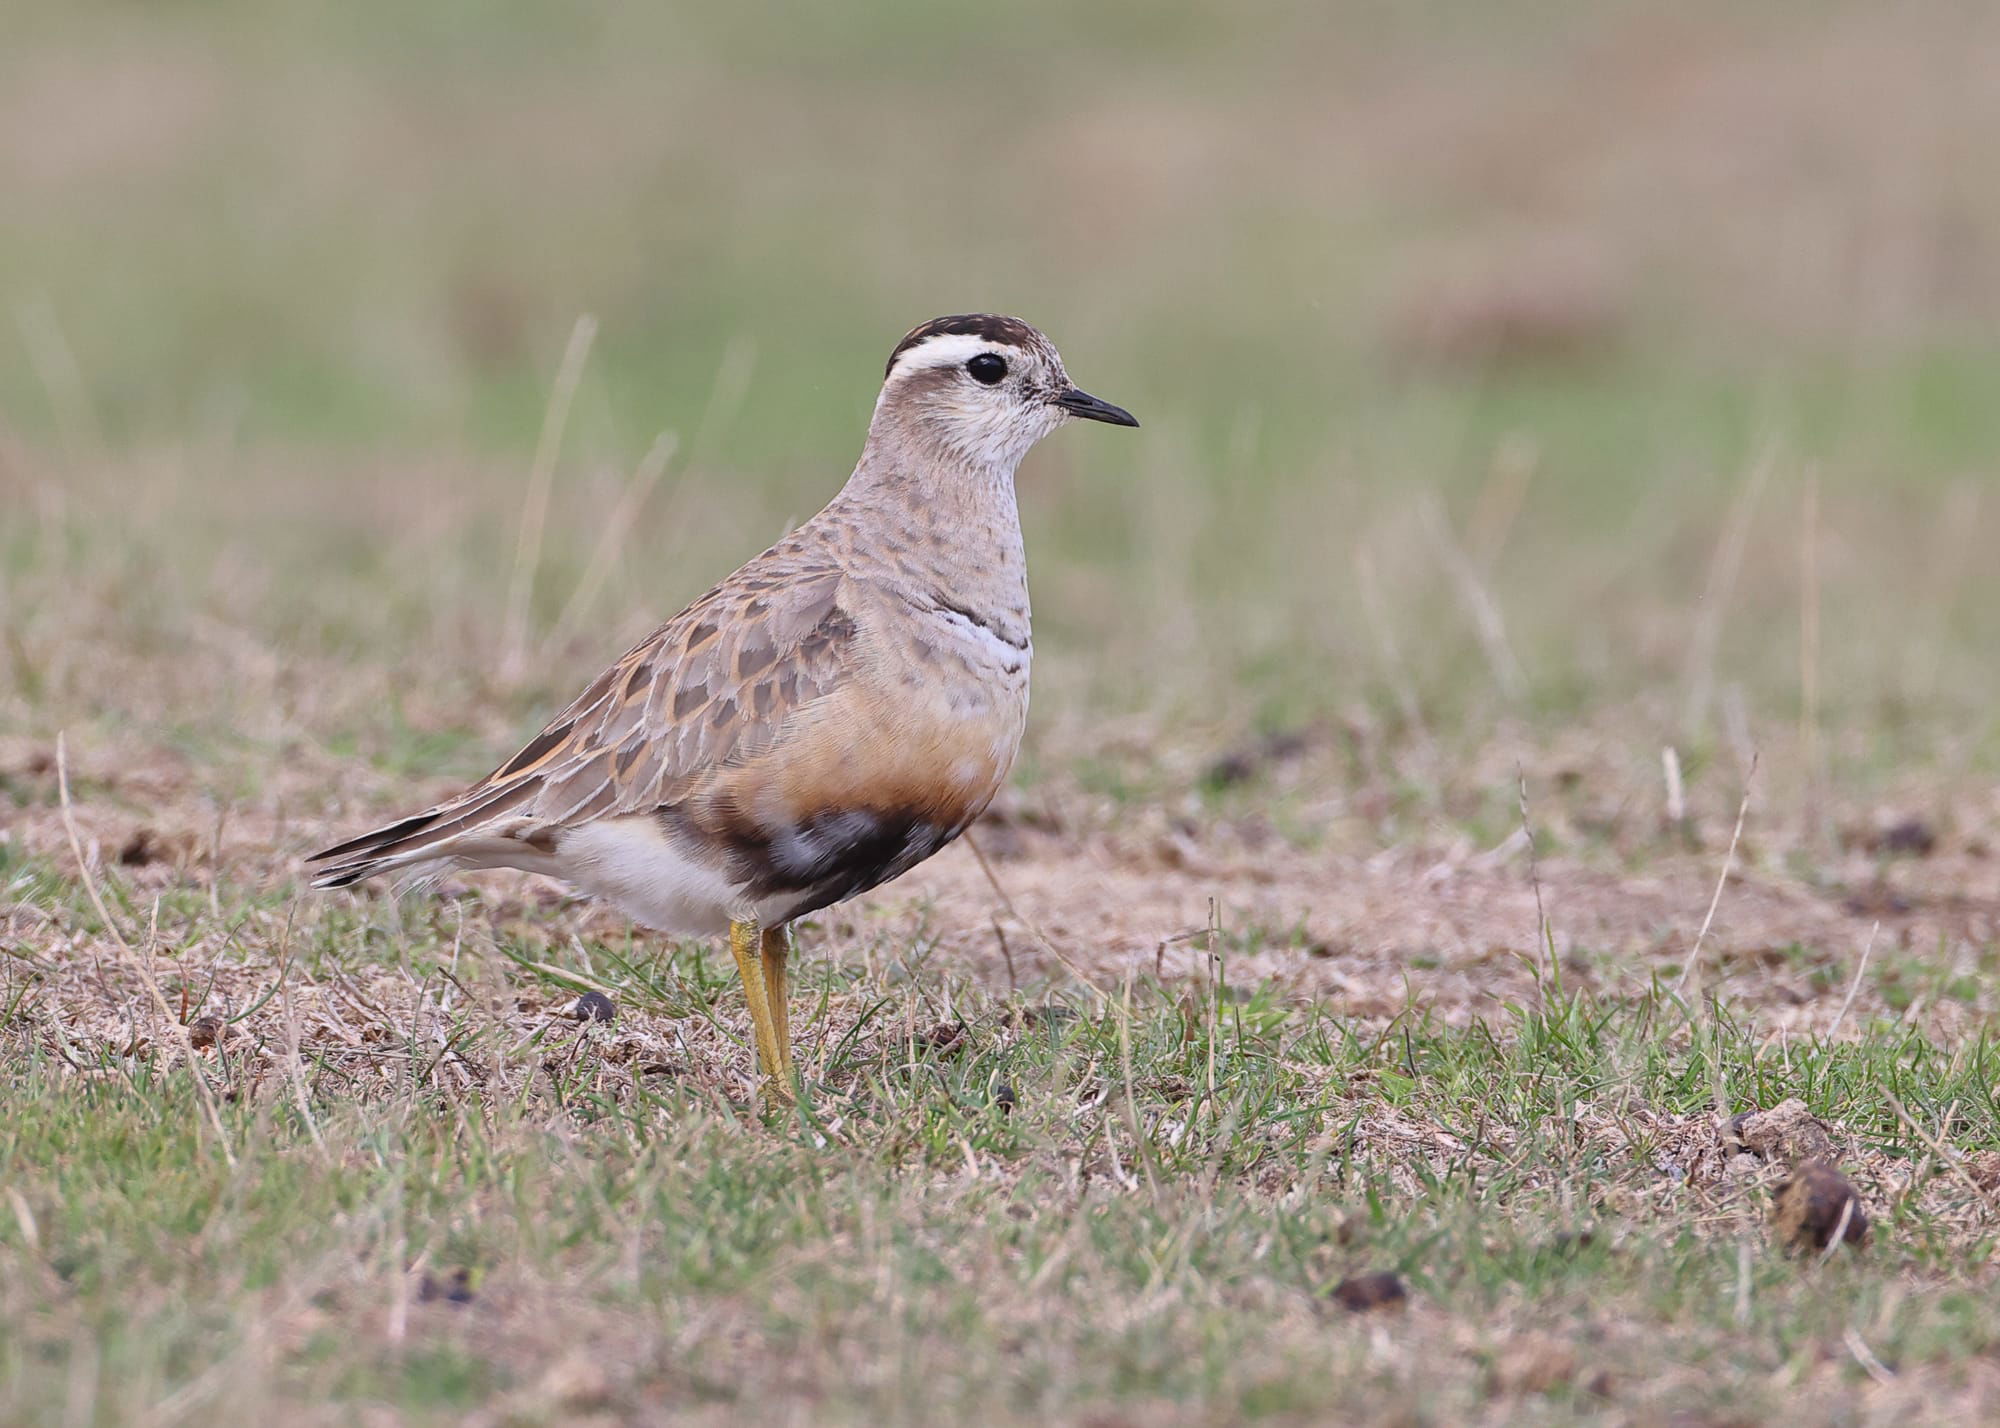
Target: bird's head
point(985, 388)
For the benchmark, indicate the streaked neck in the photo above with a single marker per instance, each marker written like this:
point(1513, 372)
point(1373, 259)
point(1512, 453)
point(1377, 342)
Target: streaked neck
point(937, 518)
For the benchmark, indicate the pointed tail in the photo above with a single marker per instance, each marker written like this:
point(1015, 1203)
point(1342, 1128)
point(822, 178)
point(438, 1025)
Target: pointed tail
point(461, 832)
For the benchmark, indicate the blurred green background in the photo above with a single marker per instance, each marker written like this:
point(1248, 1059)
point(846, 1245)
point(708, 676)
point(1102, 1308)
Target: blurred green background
point(1438, 316)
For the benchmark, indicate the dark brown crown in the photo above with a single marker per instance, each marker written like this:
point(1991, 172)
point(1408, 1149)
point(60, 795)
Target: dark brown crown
point(1008, 330)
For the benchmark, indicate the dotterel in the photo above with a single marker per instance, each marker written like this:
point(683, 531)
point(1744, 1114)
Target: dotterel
point(826, 718)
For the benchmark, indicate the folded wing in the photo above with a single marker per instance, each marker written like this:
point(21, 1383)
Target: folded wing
point(707, 692)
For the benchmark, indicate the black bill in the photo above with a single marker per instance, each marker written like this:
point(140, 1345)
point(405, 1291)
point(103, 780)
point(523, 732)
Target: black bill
point(1083, 404)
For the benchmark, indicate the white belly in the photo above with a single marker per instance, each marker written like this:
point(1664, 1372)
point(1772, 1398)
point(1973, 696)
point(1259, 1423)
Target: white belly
point(632, 864)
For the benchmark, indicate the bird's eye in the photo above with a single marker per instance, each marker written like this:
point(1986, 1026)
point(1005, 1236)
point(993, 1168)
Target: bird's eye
point(987, 369)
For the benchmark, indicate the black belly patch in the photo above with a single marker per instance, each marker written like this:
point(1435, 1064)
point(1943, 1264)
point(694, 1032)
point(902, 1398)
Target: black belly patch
point(827, 858)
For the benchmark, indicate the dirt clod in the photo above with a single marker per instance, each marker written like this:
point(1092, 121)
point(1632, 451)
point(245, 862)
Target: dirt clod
point(1242, 765)
point(453, 1286)
point(1381, 1289)
point(208, 1031)
point(946, 1037)
point(1787, 1134)
point(1877, 900)
point(1817, 1205)
point(1906, 836)
point(139, 849)
point(1985, 1170)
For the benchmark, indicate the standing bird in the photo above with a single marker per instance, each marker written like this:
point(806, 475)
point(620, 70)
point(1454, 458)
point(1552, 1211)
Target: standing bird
point(823, 720)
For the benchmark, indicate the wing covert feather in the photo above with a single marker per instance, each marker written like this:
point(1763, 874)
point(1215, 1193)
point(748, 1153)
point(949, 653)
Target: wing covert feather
point(710, 687)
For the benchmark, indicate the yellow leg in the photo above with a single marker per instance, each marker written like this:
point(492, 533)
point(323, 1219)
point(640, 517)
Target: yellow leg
point(744, 943)
point(777, 945)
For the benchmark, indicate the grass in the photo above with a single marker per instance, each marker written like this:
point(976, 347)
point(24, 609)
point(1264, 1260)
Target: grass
point(1151, 1217)
point(1531, 391)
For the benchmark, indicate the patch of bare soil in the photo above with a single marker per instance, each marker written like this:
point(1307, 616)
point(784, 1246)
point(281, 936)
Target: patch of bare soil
point(1461, 935)
point(1100, 894)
